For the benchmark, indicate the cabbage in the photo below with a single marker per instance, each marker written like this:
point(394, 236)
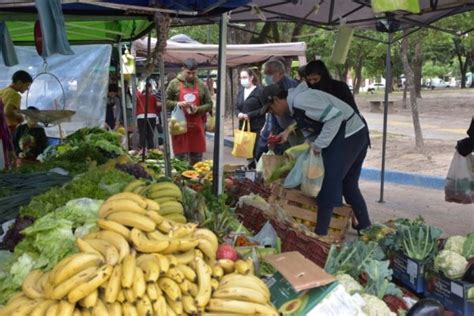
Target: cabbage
point(455, 243)
point(375, 306)
point(350, 285)
point(452, 264)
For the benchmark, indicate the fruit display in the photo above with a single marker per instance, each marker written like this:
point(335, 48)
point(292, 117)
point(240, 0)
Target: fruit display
point(142, 263)
point(165, 196)
point(178, 127)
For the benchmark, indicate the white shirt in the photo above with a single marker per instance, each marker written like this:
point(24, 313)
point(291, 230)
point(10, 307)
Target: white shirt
point(247, 92)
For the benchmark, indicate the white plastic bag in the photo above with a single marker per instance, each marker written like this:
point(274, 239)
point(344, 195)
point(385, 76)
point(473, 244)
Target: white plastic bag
point(313, 174)
point(459, 186)
point(259, 167)
point(178, 125)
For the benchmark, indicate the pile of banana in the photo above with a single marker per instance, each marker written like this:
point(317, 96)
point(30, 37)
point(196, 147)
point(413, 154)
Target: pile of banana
point(167, 194)
point(141, 263)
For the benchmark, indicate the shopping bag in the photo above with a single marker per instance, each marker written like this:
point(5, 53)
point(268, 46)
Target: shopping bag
point(459, 186)
point(211, 124)
point(244, 141)
point(178, 125)
point(259, 166)
point(272, 164)
point(295, 177)
point(313, 174)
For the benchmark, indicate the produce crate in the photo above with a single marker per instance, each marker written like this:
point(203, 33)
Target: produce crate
point(303, 208)
point(409, 272)
point(246, 187)
point(312, 248)
point(453, 294)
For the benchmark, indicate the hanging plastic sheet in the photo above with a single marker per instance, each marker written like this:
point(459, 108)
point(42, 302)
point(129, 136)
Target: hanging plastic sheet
point(84, 77)
point(52, 28)
point(6, 46)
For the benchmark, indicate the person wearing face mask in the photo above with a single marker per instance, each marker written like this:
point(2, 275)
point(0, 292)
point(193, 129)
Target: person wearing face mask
point(275, 73)
point(248, 106)
point(193, 96)
point(342, 142)
point(318, 77)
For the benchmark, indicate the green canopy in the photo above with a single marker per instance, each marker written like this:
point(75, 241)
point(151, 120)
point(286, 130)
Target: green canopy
point(81, 29)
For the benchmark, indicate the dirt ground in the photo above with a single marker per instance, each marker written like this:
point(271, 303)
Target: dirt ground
point(445, 115)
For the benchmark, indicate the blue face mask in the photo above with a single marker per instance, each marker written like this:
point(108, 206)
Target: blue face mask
point(268, 79)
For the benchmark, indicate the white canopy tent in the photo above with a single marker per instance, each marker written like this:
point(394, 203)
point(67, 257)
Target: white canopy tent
point(207, 54)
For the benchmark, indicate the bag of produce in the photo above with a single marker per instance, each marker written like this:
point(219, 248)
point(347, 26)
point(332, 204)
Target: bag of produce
point(313, 173)
point(259, 167)
point(178, 124)
point(211, 124)
point(244, 141)
point(295, 177)
point(459, 186)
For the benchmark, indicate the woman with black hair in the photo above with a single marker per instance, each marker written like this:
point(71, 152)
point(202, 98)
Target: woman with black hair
point(318, 77)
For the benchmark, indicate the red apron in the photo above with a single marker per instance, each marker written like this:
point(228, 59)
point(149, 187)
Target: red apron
point(194, 140)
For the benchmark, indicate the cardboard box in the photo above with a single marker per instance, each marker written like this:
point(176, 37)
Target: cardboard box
point(452, 294)
point(299, 285)
point(409, 272)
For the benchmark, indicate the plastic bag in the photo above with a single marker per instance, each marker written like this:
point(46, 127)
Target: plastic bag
point(459, 186)
point(244, 141)
point(259, 167)
point(267, 236)
point(313, 174)
point(295, 177)
point(178, 125)
point(211, 124)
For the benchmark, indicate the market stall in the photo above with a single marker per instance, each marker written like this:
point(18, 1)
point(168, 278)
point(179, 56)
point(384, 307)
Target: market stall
point(120, 237)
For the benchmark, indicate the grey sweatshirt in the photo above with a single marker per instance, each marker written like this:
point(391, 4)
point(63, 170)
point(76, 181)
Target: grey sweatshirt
point(325, 108)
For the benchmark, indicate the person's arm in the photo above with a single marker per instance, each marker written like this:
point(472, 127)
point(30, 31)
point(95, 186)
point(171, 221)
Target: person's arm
point(206, 100)
point(172, 94)
point(238, 108)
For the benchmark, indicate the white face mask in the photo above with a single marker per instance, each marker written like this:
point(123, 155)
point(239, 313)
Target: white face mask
point(245, 83)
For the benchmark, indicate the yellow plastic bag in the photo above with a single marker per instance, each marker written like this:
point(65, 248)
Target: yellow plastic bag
point(244, 141)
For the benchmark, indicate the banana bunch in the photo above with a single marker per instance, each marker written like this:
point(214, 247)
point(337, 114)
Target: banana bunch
point(167, 194)
point(239, 291)
point(141, 263)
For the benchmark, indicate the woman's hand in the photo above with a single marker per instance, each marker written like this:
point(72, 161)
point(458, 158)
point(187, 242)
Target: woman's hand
point(316, 150)
point(284, 136)
point(242, 116)
point(182, 104)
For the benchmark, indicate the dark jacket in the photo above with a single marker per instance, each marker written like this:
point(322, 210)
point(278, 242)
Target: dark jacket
point(251, 106)
point(40, 140)
point(340, 90)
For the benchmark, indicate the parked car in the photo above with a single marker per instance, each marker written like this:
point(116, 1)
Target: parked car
point(376, 86)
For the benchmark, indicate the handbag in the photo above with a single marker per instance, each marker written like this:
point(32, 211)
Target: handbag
point(244, 141)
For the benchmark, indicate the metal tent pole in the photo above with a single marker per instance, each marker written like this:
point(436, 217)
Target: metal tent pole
point(218, 168)
point(388, 82)
point(164, 119)
point(124, 102)
point(147, 81)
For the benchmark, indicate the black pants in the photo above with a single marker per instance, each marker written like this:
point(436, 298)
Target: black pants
point(146, 126)
point(353, 151)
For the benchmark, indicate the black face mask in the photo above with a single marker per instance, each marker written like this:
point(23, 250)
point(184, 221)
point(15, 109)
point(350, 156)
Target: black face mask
point(314, 85)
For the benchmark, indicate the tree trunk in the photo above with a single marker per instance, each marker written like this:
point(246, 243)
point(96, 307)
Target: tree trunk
point(404, 102)
point(276, 33)
point(410, 82)
point(264, 33)
point(358, 77)
point(462, 64)
point(296, 32)
point(417, 67)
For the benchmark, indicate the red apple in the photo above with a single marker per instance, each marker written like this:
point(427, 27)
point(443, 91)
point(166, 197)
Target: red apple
point(226, 251)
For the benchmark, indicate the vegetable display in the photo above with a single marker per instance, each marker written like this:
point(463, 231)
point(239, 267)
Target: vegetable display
point(418, 239)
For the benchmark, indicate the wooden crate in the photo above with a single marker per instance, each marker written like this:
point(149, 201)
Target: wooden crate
point(303, 207)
